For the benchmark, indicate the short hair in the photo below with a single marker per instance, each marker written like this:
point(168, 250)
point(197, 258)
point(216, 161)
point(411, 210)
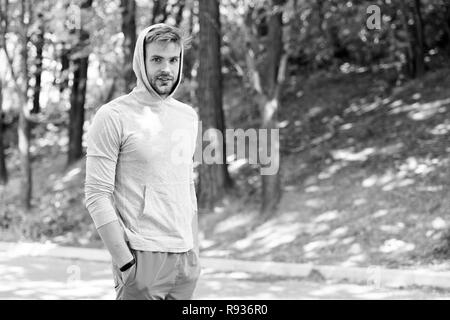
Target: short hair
point(167, 33)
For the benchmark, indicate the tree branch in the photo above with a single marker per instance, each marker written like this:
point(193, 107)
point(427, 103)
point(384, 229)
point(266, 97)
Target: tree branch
point(282, 70)
point(255, 77)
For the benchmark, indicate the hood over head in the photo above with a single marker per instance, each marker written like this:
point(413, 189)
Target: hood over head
point(143, 90)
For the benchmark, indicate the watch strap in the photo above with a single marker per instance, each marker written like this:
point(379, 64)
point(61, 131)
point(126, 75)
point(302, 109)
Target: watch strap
point(127, 265)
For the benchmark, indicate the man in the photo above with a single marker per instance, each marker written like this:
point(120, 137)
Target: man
point(139, 190)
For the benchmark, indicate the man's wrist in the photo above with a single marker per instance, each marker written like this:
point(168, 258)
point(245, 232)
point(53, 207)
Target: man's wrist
point(128, 265)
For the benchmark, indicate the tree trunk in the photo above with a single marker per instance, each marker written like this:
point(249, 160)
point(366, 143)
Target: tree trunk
point(179, 15)
point(39, 43)
point(64, 72)
point(416, 48)
point(78, 95)
point(76, 114)
point(214, 179)
point(25, 162)
point(3, 171)
point(190, 56)
point(267, 76)
point(271, 184)
point(24, 125)
point(129, 31)
point(159, 12)
point(447, 25)
point(409, 51)
point(419, 47)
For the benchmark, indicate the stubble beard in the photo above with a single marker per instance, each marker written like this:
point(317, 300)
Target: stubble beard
point(163, 85)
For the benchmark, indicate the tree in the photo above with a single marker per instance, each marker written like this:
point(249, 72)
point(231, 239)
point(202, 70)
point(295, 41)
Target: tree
point(214, 178)
point(3, 172)
point(80, 61)
point(24, 124)
point(39, 44)
point(63, 78)
point(159, 12)
point(21, 86)
point(128, 8)
point(191, 55)
point(179, 13)
point(446, 24)
point(266, 62)
point(419, 52)
point(415, 50)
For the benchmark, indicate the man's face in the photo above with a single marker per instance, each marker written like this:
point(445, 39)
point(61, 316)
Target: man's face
point(162, 65)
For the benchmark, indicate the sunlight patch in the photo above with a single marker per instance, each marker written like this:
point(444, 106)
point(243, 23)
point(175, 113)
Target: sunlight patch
point(380, 213)
point(398, 184)
point(393, 228)
point(319, 244)
point(339, 232)
point(314, 203)
point(376, 180)
point(312, 189)
point(233, 223)
point(355, 249)
point(72, 173)
point(427, 110)
point(354, 260)
point(327, 216)
point(441, 129)
point(276, 240)
point(439, 224)
point(359, 202)
point(235, 166)
point(350, 155)
point(205, 244)
point(331, 170)
point(216, 253)
point(270, 237)
point(396, 246)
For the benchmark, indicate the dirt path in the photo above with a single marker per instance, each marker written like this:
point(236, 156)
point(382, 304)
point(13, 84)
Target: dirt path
point(50, 278)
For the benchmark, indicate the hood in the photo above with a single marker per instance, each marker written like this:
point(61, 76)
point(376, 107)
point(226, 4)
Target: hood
point(143, 90)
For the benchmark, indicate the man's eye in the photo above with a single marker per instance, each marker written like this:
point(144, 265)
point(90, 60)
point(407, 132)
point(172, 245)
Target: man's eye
point(156, 59)
point(174, 60)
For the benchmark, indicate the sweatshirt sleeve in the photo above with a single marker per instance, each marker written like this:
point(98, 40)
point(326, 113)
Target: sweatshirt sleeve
point(192, 182)
point(193, 193)
point(103, 146)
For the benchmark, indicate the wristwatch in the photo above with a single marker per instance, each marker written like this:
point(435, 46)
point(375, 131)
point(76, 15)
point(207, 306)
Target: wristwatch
point(127, 265)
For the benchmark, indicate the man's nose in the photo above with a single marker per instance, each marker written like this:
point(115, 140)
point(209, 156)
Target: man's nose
point(165, 66)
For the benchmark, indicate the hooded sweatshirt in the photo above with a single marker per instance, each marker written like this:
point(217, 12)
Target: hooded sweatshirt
point(139, 167)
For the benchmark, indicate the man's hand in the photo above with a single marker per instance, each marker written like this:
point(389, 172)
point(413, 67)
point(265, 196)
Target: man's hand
point(114, 239)
point(126, 274)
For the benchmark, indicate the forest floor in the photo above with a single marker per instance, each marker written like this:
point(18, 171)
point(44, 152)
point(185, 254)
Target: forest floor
point(365, 171)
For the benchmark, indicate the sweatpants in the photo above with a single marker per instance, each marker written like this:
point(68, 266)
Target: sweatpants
point(158, 276)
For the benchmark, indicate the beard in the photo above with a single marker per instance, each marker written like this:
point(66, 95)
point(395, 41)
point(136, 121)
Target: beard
point(162, 83)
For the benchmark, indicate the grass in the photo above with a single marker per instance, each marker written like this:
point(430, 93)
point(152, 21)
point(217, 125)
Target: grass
point(365, 176)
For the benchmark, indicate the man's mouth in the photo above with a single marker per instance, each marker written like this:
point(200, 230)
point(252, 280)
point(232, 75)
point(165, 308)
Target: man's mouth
point(164, 79)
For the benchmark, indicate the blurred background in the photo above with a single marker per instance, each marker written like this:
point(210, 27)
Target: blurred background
point(358, 89)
